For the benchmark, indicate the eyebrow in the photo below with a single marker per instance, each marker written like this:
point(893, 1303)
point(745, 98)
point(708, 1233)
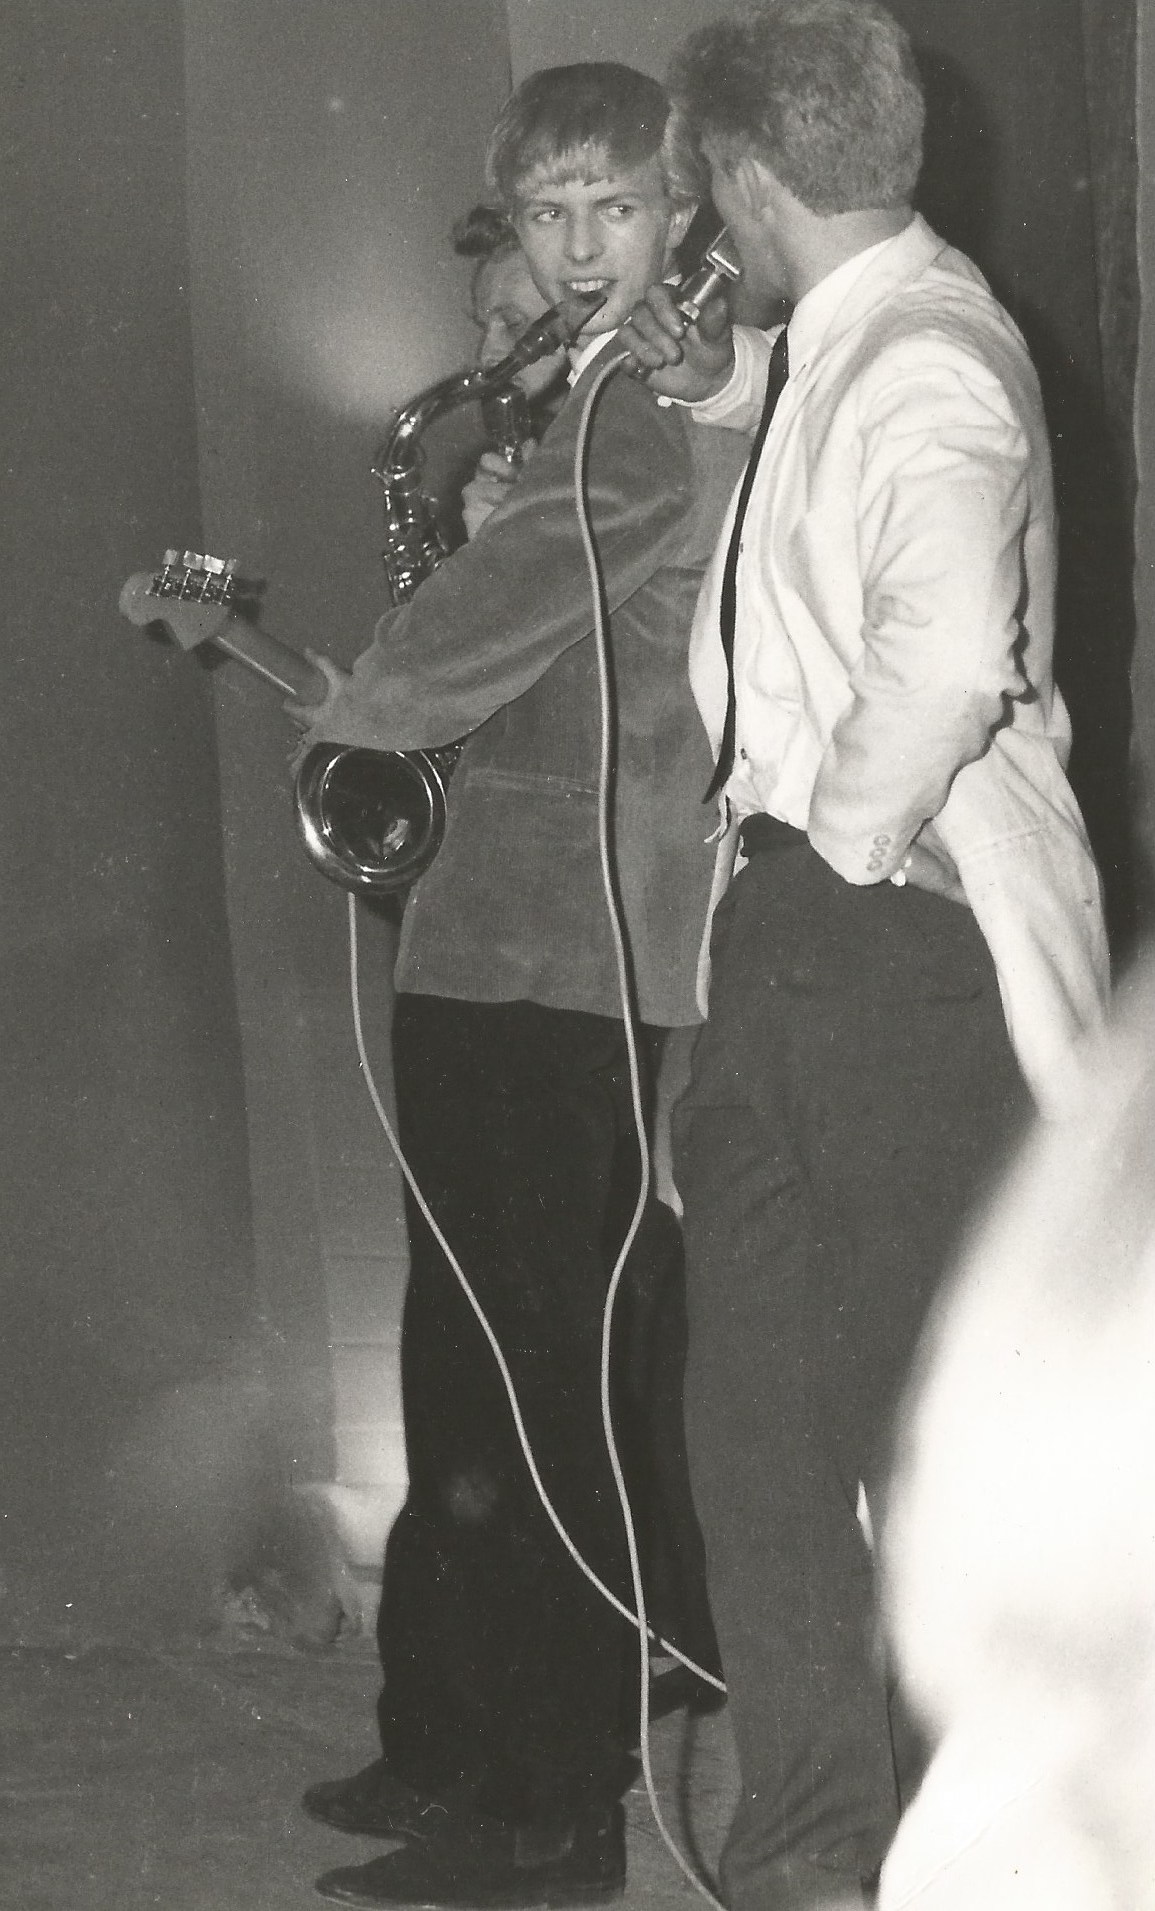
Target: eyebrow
point(548, 195)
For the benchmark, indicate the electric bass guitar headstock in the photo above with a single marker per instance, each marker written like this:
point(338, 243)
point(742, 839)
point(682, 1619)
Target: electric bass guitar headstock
point(194, 596)
point(200, 600)
point(371, 820)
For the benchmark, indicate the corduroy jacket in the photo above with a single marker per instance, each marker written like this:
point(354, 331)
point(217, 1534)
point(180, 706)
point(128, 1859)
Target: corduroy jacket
point(498, 644)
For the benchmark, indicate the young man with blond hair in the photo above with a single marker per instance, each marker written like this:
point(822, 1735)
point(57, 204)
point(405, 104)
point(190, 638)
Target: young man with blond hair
point(504, 1739)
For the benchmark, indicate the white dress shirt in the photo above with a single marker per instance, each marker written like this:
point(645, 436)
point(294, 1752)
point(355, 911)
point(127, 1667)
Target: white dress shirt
point(894, 633)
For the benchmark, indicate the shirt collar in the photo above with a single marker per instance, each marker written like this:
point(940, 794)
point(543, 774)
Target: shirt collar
point(811, 317)
point(581, 355)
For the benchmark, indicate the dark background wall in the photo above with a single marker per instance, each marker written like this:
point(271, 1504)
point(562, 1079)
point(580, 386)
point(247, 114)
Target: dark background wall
point(1144, 672)
point(229, 229)
point(230, 233)
point(125, 1238)
point(330, 149)
point(1011, 176)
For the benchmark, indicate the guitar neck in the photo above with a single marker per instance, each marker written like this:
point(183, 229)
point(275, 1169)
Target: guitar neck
point(278, 663)
point(195, 599)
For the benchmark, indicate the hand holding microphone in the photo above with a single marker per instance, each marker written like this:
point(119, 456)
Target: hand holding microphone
point(679, 338)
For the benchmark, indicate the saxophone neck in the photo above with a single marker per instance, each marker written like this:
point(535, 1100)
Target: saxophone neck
point(415, 540)
point(557, 329)
point(400, 453)
point(508, 422)
point(399, 458)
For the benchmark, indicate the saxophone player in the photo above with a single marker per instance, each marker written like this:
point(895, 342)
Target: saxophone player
point(504, 1737)
point(504, 302)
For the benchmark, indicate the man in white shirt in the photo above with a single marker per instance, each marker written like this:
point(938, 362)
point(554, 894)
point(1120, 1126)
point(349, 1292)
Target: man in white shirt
point(915, 938)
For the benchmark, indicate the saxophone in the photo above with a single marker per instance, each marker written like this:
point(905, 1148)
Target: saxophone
point(373, 820)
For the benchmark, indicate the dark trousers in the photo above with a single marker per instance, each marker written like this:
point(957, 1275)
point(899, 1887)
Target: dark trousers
point(503, 1666)
point(852, 1093)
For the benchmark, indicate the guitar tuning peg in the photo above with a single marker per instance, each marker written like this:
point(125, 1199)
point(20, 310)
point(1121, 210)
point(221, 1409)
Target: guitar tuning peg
point(217, 574)
point(170, 558)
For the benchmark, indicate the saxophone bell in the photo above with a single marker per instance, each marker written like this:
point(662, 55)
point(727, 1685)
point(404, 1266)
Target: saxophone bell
point(373, 820)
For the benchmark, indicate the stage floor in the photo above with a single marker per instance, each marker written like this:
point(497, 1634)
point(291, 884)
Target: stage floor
point(138, 1776)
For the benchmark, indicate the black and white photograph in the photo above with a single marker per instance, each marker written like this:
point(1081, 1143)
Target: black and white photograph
point(578, 1012)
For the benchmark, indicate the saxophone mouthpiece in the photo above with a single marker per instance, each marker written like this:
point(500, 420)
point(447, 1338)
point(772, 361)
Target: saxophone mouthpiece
point(578, 310)
point(558, 328)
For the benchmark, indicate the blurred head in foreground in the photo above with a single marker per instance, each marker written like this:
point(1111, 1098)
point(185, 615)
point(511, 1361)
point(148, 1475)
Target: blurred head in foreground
point(1019, 1542)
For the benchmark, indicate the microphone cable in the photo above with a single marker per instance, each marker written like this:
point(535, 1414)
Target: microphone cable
point(637, 1617)
point(613, 909)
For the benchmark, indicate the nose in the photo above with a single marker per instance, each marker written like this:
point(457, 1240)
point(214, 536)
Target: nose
point(582, 241)
point(496, 340)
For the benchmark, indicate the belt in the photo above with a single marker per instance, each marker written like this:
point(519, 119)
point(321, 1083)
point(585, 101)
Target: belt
point(757, 833)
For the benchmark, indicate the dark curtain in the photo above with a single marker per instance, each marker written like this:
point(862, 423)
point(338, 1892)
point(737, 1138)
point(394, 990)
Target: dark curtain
point(1105, 550)
point(1109, 46)
point(1030, 168)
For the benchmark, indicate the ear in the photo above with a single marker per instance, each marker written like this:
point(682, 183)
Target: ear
point(755, 184)
point(680, 221)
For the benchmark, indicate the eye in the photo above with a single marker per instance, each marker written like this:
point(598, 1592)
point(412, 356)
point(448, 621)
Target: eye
point(545, 215)
point(619, 210)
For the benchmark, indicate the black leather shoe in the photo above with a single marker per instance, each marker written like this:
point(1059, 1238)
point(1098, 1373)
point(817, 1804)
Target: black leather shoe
point(677, 1690)
point(682, 1690)
point(377, 1805)
point(490, 1866)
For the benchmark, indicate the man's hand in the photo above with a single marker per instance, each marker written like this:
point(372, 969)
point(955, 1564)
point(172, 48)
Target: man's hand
point(310, 715)
point(489, 486)
point(677, 359)
point(927, 865)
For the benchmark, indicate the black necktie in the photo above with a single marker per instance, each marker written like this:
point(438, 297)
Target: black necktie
point(775, 385)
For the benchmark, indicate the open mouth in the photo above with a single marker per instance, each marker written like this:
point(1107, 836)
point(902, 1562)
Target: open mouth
point(589, 287)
